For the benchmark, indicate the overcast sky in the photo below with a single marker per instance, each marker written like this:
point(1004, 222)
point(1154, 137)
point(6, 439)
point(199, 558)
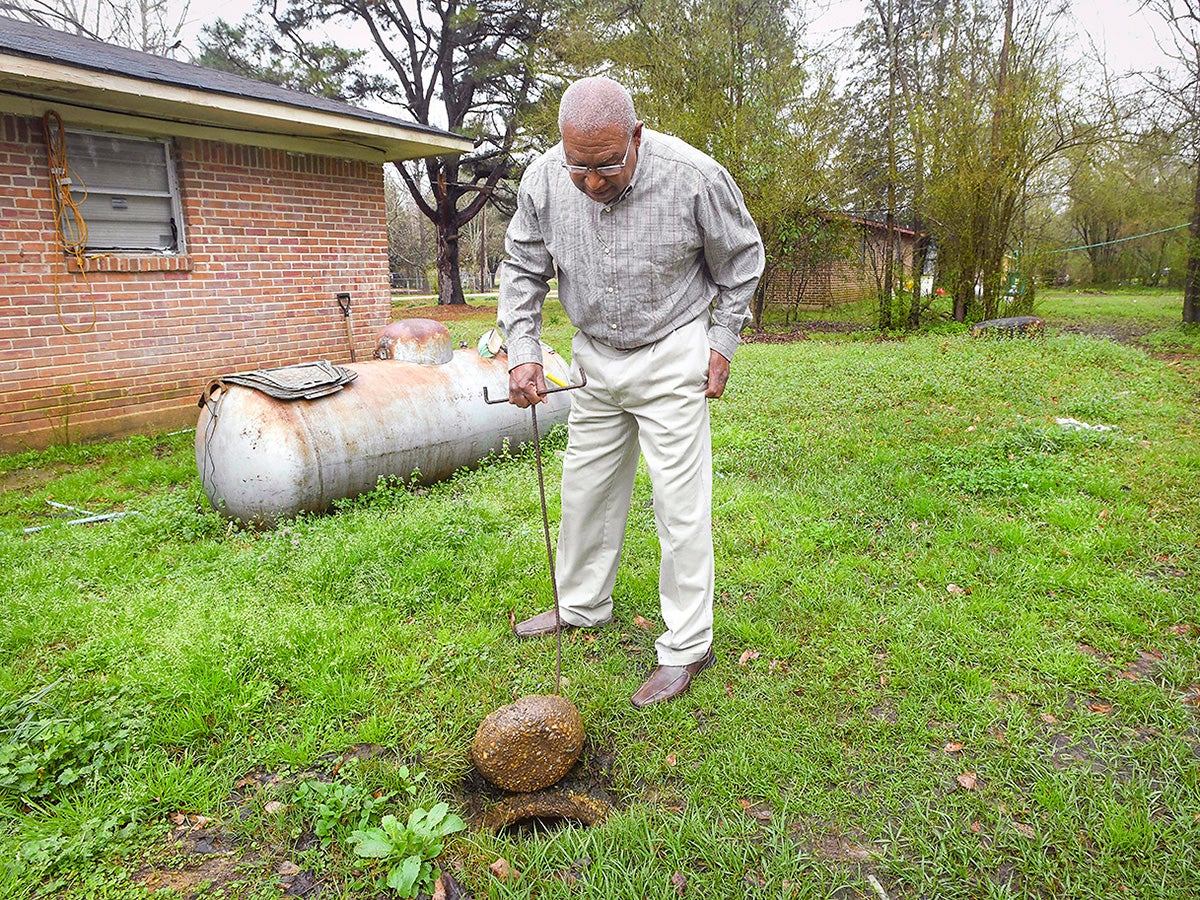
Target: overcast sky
point(1116, 28)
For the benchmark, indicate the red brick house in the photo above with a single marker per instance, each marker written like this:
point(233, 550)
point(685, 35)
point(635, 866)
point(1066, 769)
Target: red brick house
point(223, 217)
point(841, 264)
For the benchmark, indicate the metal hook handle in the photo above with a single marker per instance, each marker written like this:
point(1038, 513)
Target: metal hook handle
point(547, 391)
point(537, 454)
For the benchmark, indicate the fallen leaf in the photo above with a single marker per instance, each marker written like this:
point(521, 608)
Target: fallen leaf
point(956, 590)
point(755, 879)
point(502, 870)
point(644, 624)
point(287, 868)
point(439, 890)
point(1192, 696)
point(201, 821)
point(755, 810)
point(272, 807)
point(953, 747)
point(968, 780)
point(778, 665)
point(1182, 629)
point(1097, 706)
point(1048, 718)
point(679, 881)
point(746, 656)
point(1026, 830)
point(672, 759)
point(179, 818)
point(976, 827)
point(728, 689)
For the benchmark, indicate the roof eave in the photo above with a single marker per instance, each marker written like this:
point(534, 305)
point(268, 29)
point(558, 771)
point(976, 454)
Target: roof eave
point(101, 99)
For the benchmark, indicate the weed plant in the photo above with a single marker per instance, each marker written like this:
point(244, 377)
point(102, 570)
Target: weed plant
point(958, 649)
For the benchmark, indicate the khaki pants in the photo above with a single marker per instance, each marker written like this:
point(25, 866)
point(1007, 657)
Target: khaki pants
point(650, 399)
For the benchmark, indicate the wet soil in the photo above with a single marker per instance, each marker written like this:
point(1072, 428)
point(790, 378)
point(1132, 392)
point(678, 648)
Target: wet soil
point(208, 854)
point(445, 313)
point(582, 797)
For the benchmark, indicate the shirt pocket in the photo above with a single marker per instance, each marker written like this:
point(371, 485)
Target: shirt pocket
point(674, 253)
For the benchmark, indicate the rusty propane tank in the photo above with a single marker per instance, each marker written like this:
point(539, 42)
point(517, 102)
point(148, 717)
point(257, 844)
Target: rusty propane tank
point(415, 411)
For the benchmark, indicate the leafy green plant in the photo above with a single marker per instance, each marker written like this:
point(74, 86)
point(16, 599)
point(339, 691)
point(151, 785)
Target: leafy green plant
point(408, 850)
point(45, 751)
point(331, 804)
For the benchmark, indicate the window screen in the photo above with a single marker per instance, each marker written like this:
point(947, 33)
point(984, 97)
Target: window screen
point(132, 199)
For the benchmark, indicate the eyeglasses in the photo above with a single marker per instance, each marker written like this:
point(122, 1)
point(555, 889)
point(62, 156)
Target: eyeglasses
point(603, 171)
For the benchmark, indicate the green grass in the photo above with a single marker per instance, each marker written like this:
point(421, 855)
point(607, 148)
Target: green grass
point(1151, 317)
point(1150, 305)
point(917, 553)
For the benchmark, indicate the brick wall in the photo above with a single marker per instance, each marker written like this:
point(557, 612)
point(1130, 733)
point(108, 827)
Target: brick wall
point(271, 238)
point(845, 280)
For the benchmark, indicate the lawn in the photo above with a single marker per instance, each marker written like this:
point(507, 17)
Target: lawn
point(958, 651)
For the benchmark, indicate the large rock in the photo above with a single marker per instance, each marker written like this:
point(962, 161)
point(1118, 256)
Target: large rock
point(530, 744)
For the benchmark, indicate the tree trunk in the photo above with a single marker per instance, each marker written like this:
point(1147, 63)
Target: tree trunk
point(1191, 286)
point(964, 289)
point(450, 292)
point(760, 296)
point(887, 297)
point(920, 249)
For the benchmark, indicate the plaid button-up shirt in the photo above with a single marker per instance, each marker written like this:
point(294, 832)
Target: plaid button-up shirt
point(677, 243)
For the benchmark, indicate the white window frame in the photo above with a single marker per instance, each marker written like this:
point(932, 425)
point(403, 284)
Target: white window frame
point(172, 193)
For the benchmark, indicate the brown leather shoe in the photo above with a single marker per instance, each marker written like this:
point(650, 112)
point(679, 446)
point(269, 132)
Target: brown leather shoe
point(668, 682)
point(540, 625)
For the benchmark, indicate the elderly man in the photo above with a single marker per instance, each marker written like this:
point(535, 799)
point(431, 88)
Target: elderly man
point(657, 259)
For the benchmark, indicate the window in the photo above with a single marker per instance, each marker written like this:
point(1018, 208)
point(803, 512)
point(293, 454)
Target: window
point(132, 200)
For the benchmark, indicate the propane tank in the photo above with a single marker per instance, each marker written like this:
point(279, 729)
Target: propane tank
point(416, 411)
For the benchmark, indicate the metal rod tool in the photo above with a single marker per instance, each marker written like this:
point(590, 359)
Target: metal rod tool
point(537, 446)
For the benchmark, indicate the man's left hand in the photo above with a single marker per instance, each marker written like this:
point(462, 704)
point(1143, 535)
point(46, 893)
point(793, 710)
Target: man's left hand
point(718, 374)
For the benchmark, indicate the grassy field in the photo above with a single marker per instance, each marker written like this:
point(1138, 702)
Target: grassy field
point(958, 650)
point(1149, 317)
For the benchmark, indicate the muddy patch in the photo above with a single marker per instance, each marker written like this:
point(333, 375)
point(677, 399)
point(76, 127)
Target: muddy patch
point(452, 313)
point(581, 798)
point(210, 855)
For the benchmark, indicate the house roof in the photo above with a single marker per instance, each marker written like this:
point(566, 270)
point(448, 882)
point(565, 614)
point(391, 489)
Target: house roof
point(873, 224)
point(94, 84)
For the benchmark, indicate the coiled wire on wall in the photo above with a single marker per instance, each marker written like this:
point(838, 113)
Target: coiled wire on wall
point(70, 229)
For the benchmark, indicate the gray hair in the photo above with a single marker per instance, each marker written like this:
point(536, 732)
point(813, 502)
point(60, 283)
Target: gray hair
point(596, 102)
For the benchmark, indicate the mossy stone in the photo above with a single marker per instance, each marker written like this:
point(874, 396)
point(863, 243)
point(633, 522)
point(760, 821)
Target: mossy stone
point(530, 744)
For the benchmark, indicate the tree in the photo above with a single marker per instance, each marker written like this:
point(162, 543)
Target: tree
point(152, 26)
point(412, 247)
point(282, 56)
point(467, 66)
point(1181, 91)
point(984, 106)
point(470, 66)
point(728, 77)
point(1126, 200)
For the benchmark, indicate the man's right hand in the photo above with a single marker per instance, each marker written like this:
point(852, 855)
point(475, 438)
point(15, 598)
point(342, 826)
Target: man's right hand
point(526, 385)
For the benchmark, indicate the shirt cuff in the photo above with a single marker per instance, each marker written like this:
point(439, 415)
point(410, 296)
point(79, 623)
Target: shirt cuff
point(524, 350)
point(723, 340)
